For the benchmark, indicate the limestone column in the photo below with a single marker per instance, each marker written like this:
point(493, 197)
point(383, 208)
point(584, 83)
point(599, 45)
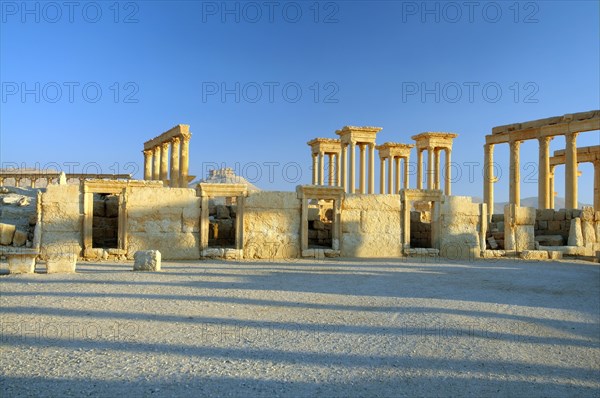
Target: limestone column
point(515, 174)
point(448, 176)
point(315, 169)
point(337, 169)
point(17, 182)
point(352, 167)
point(174, 173)
point(597, 186)
point(390, 160)
point(436, 168)
point(344, 165)
point(406, 175)
point(164, 160)
point(362, 183)
point(544, 171)
point(571, 171)
point(488, 177)
point(147, 164)
point(397, 171)
point(372, 168)
point(331, 169)
point(430, 170)
point(381, 175)
point(156, 163)
point(321, 168)
point(551, 188)
point(184, 161)
point(419, 168)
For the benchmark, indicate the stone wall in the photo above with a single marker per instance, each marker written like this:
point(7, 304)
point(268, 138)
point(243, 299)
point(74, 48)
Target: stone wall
point(550, 224)
point(519, 228)
point(61, 221)
point(459, 228)
point(164, 219)
point(272, 225)
point(371, 226)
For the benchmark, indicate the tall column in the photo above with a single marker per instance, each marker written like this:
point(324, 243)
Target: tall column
point(344, 165)
point(419, 168)
point(430, 170)
point(147, 164)
point(372, 168)
point(352, 179)
point(174, 173)
point(331, 169)
point(515, 174)
point(381, 175)
point(390, 160)
point(397, 171)
point(315, 168)
point(156, 163)
point(436, 168)
point(184, 161)
point(551, 188)
point(406, 175)
point(362, 183)
point(164, 161)
point(544, 171)
point(488, 178)
point(571, 171)
point(597, 186)
point(321, 168)
point(337, 169)
point(448, 174)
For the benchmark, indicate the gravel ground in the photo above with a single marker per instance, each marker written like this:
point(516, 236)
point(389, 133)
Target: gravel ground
point(327, 328)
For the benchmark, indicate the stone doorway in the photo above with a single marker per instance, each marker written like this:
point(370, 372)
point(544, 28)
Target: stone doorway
point(319, 224)
point(222, 215)
point(105, 221)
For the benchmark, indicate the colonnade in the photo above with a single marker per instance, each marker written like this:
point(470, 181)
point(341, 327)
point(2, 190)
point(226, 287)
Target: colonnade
point(434, 143)
point(330, 148)
point(363, 138)
point(173, 144)
point(393, 153)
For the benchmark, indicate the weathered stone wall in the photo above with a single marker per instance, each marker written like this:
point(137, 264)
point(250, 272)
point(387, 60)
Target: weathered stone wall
point(371, 226)
point(164, 219)
point(61, 221)
point(458, 228)
point(519, 228)
point(550, 222)
point(272, 225)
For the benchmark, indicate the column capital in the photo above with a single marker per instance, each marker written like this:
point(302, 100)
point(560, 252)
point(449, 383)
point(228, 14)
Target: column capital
point(165, 145)
point(545, 140)
point(148, 152)
point(185, 136)
point(175, 140)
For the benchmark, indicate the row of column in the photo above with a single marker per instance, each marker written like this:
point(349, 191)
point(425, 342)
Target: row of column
point(391, 162)
point(366, 182)
point(546, 175)
point(434, 169)
point(318, 170)
point(156, 162)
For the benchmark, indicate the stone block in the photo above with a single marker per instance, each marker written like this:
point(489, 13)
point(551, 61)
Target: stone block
point(560, 215)
point(19, 238)
point(313, 214)
point(554, 226)
point(21, 263)
point(550, 240)
point(587, 214)
point(222, 212)
point(61, 263)
point(99, 207)
point(524, 216)
point(546, 215)
point(542, 225)
point(576, 233)
point(588, 231)
point(597, 216)
point(524, 238)
point(497, 217)
point(555, 255)
point(492, 243)
point(534, 255)
point(318, 225)
point(147, 260)
point(32, 219)
point(7, 232)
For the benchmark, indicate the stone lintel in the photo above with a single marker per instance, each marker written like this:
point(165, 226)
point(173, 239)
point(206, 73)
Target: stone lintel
point(354, 134)
point(395, 149)
point(326, 145)
point(182, 130)
point(115, 186)
point(319, 192)
point(428, 195)
point(220, 190)
point(434, 139)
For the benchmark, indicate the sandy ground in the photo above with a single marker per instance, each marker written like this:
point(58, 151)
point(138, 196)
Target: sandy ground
point(326, 328)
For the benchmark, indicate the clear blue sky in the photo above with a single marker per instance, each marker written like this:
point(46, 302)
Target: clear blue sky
point(361, 58)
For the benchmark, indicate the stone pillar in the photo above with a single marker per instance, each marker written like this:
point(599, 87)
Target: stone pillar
point(174, 173)
point(32, 181)
point(381, 175)
point(337, 169)
point(344, 165)
point(147, 164)
point(448, 174)
point(406, 172)
point(419, 169)
point(430, 169)
point(597, 187)
point(315, 168)
point(571, 171)
point(515, 174)
point(362, 183)
point(488, 178)
point(544, 171)
point(551, 188)
point(352, 179)
point(436, 168)
point(321, 168)
point(372, 168)
point(331, 169)
point(164, 161)
point(390, 174)
point(184, 161)
point(397, 171)
point(156, 163)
